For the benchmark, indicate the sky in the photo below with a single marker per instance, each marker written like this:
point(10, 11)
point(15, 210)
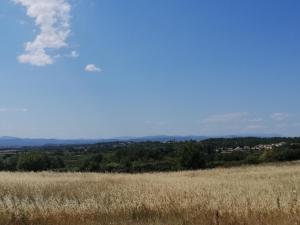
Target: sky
point(111, 68)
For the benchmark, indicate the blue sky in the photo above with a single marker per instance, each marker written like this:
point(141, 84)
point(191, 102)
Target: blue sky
point(107, 68)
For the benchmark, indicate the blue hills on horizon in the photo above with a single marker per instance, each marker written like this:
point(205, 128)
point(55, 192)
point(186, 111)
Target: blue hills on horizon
point(15, 142)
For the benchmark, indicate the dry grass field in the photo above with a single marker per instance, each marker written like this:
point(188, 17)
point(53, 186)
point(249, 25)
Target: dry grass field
point(266, 195)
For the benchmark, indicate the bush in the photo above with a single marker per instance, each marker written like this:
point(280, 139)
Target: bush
point(252, 159)
point(288, 154)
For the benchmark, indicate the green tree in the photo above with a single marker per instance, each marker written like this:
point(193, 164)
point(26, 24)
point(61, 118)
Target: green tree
point(56, 163)
point(92, 163)
point(193, 157)
point(33, 161)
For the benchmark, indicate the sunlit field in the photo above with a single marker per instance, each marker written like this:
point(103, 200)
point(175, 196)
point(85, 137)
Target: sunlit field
point(266, 195)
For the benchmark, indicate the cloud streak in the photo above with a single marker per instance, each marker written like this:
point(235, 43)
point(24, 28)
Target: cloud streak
point(279, 116)
point(3, 110)
point(52, 17)
point(232, 123)
point(225, 118)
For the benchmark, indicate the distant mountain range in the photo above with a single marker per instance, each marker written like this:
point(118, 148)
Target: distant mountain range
point(14, 142)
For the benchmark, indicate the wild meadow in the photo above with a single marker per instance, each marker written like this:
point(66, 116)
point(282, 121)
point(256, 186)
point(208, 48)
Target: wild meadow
point(266, 195)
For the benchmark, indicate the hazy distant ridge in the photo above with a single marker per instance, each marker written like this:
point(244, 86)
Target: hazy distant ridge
point(24, 142)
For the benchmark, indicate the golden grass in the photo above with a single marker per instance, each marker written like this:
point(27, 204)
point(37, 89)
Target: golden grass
point(266, 195)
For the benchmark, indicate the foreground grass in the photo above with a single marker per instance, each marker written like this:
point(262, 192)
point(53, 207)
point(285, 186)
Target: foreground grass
point(266, 195)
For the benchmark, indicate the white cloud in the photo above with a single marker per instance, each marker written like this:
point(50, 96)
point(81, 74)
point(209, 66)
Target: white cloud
point(92, 68)
point(279, 116)
point(13, 110)
point(52, 17)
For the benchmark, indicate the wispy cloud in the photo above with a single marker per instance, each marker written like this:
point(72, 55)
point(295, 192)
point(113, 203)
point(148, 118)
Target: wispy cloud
point(22, 22)
point(92, 68)
point(155, 123)
point(225, 118)
point(297, 124)
point(52, 17)
point(279, 116)
point(232, 123)
point(13, 110)
point(245, 122)
point(255, 120)
point(73, 54)
point(255, 127)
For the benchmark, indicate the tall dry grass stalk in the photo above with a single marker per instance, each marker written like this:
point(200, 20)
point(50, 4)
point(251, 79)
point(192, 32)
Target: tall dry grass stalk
point(266, 195)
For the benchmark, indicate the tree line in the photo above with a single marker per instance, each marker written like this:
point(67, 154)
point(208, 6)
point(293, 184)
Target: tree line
point(133, 157)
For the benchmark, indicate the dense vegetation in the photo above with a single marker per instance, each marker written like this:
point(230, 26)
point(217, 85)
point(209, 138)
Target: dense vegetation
point(150, 156)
